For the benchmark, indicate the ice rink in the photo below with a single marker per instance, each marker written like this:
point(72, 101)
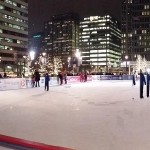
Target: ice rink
point(104, 115)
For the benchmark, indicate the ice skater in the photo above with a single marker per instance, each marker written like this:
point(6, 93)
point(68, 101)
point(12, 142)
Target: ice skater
point(133, 78)
point(47, 78)
point(142, 82)
point(37, 78)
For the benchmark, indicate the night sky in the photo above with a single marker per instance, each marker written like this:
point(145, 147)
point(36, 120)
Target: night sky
point(42, 10)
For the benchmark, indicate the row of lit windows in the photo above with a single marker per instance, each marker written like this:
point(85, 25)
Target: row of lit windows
point(102, 57)
point(13, 11)
point(9, 40)
point(103, 51)
point(15, 4)
point(146, 13)
point(6, 47)
point(14, 18)
point(146, 7)
point(13, 26)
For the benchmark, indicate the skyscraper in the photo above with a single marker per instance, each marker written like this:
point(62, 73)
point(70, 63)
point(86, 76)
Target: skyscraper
point(135, 28)
point(13, 34)
point(100, 41)
point(61, 35)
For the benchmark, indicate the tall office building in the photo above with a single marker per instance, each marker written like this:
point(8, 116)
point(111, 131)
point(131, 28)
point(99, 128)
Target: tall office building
point(100, 41)
point(136, 28)
point(13, 34)
point(61, 35)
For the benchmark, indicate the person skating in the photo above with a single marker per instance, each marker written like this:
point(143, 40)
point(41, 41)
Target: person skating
point(85, 77)
point(47, 78)
point(37, 78)
point(65, 78)
point(61, 78)
point(133, 78)
point(142, 82)
point(33, 80)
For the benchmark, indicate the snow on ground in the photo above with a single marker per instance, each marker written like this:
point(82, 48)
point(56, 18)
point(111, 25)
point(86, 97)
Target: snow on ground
point(104, 115)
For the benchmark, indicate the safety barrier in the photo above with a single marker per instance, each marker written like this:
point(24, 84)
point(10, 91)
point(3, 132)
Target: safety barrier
point(28, 144)
point(22, 83)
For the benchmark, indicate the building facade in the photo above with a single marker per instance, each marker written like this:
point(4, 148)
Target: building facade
point(13, 34)
point(100, 41)
point(61, 35)
point(135, 27)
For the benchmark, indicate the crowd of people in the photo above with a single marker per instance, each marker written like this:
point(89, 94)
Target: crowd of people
point(61, 78)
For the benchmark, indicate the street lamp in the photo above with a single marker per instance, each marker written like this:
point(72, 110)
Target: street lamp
point(32, 55)
point(25, 57)
point(44, 53)
point(78, 56)
point(126, 58)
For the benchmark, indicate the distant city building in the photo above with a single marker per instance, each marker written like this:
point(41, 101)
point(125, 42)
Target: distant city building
point(61, 35)
point(100, 41)
point(13, 34)
point(36, 42)
point(135, 28)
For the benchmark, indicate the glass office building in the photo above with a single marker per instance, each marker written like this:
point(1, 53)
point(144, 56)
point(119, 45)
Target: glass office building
point(135, 28)
point(61, 35)
point(13, 34)
point(100, 41)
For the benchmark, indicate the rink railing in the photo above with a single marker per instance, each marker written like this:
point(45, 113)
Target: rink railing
point(11, 142)
point(23, 83)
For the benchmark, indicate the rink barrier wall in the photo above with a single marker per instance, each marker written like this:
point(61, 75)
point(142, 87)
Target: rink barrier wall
point(29, 144)
point(23, 83)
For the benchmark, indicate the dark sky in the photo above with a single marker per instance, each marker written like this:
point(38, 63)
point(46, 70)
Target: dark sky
point(42, 10)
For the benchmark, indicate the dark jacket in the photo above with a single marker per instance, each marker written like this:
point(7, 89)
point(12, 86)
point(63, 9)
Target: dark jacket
point(37, 76)
point(47, 78)
point(142, 79)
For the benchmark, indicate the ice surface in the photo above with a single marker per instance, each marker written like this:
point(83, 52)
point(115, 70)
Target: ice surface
point(104, 115)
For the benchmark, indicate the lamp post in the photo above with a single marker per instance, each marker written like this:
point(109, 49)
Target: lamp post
point(31, 58)
point(79, 57)
point(25, 57)
point(32, 55)
point(126, 58)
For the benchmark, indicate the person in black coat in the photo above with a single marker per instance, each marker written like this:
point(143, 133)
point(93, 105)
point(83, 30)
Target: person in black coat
point(37, 78)
point(142, 82)
point(61, 78)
